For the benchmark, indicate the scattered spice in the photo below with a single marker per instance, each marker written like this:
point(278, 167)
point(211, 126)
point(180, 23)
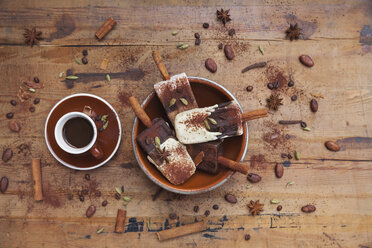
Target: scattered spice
point(249, 88)
point(247, 237)
point(279, 208)
point(32, 36)
point(32, 109)
point(279, 170)
point(289, 122)
point(229, 52)
point(4, 182)
point(293, 32)
point(118, 190)
point(105, 28)
point(126, 198)
point(223, 16)
point(36, 80)
point(87, 177)
point(14, 126)
point(231, 198)
point(220, 46)
point(85, 52)
point(306, 60)
point(162, 155)
point(78, 60)
point(289, 184)
point(157, 141)
point(104, 203)
point(274, 102)
point(148, 225)
point(211, 65)
point(197, 42)
point(174, 33)
point(297, 155)
point(13, 102)
point(100, 230)
point(36, 101)
point(60, 75)
point(303, 124)
point(32, 90)
point(108, 78)
point(308, 208)
point(81, 198)
point(197, 36)
point(72, 77)
point(275, 201)
point(215, 207)
point(248, 186)
point(84, 60)
point(261, 49)
point(90, 211)
point(207, 213)
point(184, 101)
point(290, 83)
point(284, 155)
point(255, 208)
point(182, 46)
point(172, 216)
point(10, 115)
point(253, 178)
point(207, 125)
point(104, 64)
point(254, 66)
point(231, 32)
point(293, 98)
point(332, 146)
point(117, 196)
point(205, 25)
point(270, 86)
point(313, 105)
point(306, 129)
point(196, 209)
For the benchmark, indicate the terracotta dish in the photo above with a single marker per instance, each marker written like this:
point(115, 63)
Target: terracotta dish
point(207, 93)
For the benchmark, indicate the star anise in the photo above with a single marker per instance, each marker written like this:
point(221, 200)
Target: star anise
point(223, 16)
point(255, 207)
point(293, 32)
point(32, 36)
point(274, 102)
point(162, 155)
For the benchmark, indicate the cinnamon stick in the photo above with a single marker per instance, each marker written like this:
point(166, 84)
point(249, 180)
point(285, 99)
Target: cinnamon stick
point(231, 164)
point(141, 114)
point(160, 63)
point(120, 219)
point(181, 231)
point(254, 66)
point(105, 28)
point(36, 175)
point(256, 114)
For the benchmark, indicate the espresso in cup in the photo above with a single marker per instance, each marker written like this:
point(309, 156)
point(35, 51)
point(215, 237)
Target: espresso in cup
point(78, 132)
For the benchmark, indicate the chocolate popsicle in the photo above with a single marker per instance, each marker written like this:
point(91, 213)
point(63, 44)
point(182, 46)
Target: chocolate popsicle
point(211, 152)
point(164, 151)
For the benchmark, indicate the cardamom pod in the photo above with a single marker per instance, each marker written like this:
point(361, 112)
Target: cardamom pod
point(126, 198)
point(261, 49)
point(289, 184)
point(157, 141)
point(274, 201)
point(213, 121)
point(78, 61)
point(105, 125)
point(306, 129)
point(184, 101)
point(104, 118)
point(100, 230)
point(175, 32)
point(172, 102)
point(207, 125)
point(118, 191)
point(297, 155)
point(72, 77)
point(108, 78)
point(60, 75)
point(32, 90)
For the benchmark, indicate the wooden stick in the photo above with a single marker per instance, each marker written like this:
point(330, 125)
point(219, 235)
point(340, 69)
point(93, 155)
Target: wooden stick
point(160, 63)
point(105, 28)
point(141, 114)
point(36, 175)
point(181, 231)
point(256, 114)
point(198, 158)
point(120, 220)
point(231, 164)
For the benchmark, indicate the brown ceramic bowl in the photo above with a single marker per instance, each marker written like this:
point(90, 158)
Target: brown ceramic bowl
point(207, 93)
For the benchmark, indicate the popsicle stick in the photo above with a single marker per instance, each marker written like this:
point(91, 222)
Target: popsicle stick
point(181, 231)
point(231, 164)
point(198, 158)
point(141, 114)
point(160, 63)
point(256, 114)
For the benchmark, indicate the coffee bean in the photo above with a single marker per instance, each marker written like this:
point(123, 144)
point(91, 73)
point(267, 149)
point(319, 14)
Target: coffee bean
point(90, 211)
point(332, 146)
point(197, 36)
point(32, 109)
point(279, 170)
point(104, 203)
point(287, 136)
point(7, 154)
point(13, 102)
point(36, 100)
point(270, 86)
point(303, 124)
point(314, 105)
point(247, 237)
point(215, 207)
point(290, 83)
point(220, 46)
point(231, 32)
point(10, 115)
point(229, 53)
point(276, 84)
point(87, 177)
point(117, 196)
point(85, 191)
point(85, 52)
point(36, 80)
point(197, 42)
point(98, 193)
point(289, 156)
point(211, 65)
point(205, 25)
point(253, 178)
point(306, 60)
point(279, 208)
point(231, 198)
point(308, 208)
point(14, 126)
point(207, 212)
point(84, 60)
point(122, 188)
point(196, 209)
point(172, 216)
point(284, 155)
point(4, 184)
point(249, 88)
point(293, 98)
point(81, 198)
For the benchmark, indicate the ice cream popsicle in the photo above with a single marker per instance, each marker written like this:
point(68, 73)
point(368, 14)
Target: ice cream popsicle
point(163, 150)
point(176, 95)
point(211, 123)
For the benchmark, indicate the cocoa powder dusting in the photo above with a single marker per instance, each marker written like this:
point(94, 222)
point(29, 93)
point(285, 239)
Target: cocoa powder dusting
point(196, 121)
point(275, 74)
point(50, 196)
point(258, 162)
point(124, 98)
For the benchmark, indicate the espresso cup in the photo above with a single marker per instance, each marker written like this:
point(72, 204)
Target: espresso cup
point(63, 144)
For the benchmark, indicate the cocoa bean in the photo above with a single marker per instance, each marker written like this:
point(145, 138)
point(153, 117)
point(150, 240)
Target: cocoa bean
point(90, 211)
point(231, 198)
point(14, 126)
point(314, 105)
point(211, 65)
point(306, 60)
point(279, 170)
point(229, 53)
point(308, 208)
point(253, 178)
point(332, 146)
point(7, 154)
point(4, 184)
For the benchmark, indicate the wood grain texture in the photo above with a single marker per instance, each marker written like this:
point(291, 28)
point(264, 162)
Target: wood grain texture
point(339, 184)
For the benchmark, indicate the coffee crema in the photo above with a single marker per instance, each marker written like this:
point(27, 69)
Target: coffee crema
point(78, 132)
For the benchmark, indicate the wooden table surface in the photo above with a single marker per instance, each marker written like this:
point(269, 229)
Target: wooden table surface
point(338, 36)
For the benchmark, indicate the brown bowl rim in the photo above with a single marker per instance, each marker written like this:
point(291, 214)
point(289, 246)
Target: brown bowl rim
point(193, 191)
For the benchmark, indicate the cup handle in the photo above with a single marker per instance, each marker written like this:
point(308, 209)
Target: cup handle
point(96, 151)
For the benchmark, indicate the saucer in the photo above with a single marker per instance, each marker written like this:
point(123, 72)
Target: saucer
point(108, 140)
